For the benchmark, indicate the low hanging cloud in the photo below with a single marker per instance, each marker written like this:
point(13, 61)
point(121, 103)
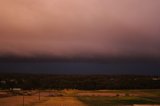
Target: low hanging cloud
point(80, 27)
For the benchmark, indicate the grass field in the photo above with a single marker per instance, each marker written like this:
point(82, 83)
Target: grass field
point(83, 98)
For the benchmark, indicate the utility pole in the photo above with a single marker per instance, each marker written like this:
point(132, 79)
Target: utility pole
point(39, 95)
point(23, 98)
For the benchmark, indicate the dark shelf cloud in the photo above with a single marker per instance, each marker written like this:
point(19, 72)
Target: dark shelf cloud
point(107, 31)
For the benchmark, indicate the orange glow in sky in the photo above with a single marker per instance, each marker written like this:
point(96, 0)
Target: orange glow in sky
point(80, 27)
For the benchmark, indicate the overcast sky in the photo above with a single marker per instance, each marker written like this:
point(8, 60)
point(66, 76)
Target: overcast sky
point(80, 27)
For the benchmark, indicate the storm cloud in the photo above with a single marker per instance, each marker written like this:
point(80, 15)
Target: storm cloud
point(80, 27)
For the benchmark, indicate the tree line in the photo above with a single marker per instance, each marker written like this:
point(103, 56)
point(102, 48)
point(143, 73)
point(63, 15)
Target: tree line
point(81, 82)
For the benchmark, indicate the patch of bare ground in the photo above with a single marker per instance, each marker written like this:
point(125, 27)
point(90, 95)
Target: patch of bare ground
point(61, 101)
point(18, 100)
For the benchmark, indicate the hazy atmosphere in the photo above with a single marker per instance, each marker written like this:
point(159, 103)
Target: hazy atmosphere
point(79, 52)
point(83, 29)
point(80, 27)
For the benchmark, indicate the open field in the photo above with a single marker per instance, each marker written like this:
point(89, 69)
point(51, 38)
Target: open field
point(81, 98)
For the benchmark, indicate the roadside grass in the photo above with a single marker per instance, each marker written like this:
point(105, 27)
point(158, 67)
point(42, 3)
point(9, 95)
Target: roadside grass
point(112, 101)
point(90, 98)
